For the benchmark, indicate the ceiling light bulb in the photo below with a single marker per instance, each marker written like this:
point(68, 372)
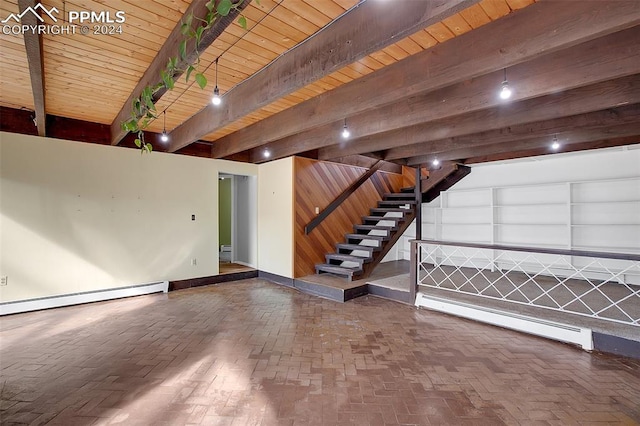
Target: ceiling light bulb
point(267, 153)
point(436, 162)
point(505, 93)
point(555, 145)
point(216, 99)
point(345, 132)
point(164, 137)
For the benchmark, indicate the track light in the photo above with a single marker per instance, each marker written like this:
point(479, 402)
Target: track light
point(555, 145)
point(436, 162)
point(505, 92)
point(164, 137)
point(345, 130)
point(216, 99)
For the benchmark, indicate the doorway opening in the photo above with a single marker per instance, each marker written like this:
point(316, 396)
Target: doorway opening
point(237, 223)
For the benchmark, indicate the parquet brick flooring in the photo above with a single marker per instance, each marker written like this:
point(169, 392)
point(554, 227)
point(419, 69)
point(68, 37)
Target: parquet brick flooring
point(254, 353)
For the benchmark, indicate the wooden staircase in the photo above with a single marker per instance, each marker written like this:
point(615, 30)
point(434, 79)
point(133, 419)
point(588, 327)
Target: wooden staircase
point(370, 241)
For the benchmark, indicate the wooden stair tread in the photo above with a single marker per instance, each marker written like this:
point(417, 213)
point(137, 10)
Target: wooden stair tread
point(374, 228)
point(347, 246)
point(381, 218)
point(366, 237)
point(395, 202)
point(399, 195)
point(389, 210)
point(338, 270)
point(347, 258)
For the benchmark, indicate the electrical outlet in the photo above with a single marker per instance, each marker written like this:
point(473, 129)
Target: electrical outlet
point(193, 262)
point(4, 280)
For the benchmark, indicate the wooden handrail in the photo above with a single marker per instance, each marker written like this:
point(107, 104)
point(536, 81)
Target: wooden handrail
point(340, 198)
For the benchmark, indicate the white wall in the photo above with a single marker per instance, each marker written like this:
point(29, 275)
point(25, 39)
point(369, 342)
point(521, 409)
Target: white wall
point(79, 217)
point(588, 200)
point(275, 217)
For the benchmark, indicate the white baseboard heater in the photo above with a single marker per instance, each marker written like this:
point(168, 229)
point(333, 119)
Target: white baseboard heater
point(29, 305)
point(531, 325)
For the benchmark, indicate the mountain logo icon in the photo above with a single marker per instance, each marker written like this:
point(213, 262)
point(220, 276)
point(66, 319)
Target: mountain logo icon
point(34, 11)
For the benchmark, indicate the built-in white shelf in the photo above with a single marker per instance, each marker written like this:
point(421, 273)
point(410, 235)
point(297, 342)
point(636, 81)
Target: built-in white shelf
point(501, 206)
point(604, 224)
point(529, 224)
point(592, 215)
point(577, 203)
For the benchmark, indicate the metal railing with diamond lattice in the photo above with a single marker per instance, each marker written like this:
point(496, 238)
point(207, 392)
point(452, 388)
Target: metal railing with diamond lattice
point(599, 285)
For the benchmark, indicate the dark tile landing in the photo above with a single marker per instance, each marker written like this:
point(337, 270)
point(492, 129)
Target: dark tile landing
point(256, 353)
point(331, 287)
point(339, 289)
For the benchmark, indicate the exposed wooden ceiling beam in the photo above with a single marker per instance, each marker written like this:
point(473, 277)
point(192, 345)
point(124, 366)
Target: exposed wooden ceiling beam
point(33, 46)
point(628, 115)
point(608, 94)
point(533, 31)
point(370, 27)
point(613, 56)
point(565, 139)
point(510, 155)
point(368, 162)
point(170, 49)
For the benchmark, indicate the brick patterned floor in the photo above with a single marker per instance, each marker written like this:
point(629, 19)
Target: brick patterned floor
point(254, 353)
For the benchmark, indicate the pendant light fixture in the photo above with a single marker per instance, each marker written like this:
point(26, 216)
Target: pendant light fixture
point(216, 99)
point(505, 92)
point(345, 130)
point(164, 137)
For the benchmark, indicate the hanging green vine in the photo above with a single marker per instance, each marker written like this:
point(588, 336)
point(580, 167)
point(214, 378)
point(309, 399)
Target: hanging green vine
point(143, 108)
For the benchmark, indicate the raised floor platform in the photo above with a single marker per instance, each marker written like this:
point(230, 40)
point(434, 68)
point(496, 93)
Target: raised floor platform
point(387, 281)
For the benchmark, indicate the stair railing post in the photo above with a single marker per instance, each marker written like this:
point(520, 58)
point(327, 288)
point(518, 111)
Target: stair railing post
point(418, 196)
point(415, 260)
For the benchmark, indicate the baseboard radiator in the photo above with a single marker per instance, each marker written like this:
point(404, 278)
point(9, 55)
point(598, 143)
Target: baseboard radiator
point(539, 327)
point(29, 305)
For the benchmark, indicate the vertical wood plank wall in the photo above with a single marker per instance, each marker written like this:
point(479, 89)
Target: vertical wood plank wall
point(316, 184)
point(409, 176)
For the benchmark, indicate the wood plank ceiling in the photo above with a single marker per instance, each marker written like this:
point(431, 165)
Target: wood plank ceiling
point(574, 67)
